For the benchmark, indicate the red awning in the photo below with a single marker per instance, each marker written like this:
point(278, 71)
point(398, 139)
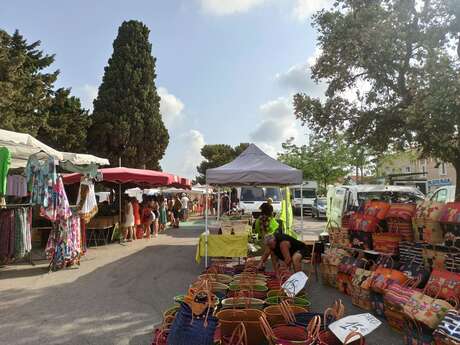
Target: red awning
point(146, 178)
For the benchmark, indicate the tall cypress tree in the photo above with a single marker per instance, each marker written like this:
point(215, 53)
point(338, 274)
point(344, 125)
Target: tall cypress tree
point(126, 120)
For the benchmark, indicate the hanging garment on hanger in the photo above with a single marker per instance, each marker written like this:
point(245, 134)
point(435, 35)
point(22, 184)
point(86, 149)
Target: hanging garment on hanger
point(86, 201)
point(5, 161)
point(41, 177)
point(16, 186)
point(56, 205)
point(64, 243)
point(15, 237)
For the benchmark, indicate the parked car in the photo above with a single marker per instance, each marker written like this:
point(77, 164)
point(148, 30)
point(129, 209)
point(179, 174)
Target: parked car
point(319, 208)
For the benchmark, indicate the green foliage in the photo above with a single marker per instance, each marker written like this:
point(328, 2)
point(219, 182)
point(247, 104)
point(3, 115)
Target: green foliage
point(323, 160)
point(25, 87)
point(216, 156)
point(67, 123)
point(126, 118)
point(398, 59)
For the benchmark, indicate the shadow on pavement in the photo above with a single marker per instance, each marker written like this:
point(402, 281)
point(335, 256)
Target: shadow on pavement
point(116, 304)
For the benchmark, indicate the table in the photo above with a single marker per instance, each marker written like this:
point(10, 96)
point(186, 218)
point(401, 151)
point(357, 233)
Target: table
point(99, 229)
point(230, 246)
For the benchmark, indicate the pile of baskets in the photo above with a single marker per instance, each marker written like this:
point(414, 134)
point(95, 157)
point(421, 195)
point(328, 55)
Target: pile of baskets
point(244, 308)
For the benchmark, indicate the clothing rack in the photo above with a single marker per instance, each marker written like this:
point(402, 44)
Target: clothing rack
point(9, 206)
point(16, 205)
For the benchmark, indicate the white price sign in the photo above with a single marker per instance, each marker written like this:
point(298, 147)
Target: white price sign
point(295, 284)
point(361, 323)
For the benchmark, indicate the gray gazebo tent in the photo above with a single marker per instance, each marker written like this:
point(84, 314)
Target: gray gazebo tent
point(253, 167)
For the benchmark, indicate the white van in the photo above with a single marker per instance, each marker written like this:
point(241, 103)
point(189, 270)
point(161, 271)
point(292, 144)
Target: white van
point(309, 189)
point(251, 198)
point(341, 199)
point(443, 195)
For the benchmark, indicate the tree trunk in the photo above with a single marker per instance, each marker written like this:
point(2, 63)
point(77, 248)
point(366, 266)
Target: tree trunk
point(457, 184)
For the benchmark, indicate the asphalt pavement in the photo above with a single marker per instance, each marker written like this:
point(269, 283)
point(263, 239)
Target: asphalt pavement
point(119, 293)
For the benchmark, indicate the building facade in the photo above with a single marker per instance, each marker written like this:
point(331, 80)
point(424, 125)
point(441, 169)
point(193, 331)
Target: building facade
point(407, 168)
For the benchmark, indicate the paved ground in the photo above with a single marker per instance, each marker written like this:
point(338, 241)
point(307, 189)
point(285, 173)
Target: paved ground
point(118, 294)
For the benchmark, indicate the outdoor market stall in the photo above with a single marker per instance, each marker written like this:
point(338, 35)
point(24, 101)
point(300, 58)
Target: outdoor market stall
point(251, 168)
point(397, 256)
point(124, 178)
point(32, 184)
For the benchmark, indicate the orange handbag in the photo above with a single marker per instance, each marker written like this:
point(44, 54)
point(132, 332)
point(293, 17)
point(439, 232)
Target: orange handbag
point(382, 277)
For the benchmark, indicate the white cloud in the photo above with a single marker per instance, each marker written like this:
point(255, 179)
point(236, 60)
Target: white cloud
point(171, 108)
point(87, 93)
point(184, 154)
point(278, 124)
point(298, 78)
point(226, 7)
point(303, 9)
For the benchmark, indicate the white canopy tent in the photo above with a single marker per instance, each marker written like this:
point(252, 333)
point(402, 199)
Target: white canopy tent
point(22, 146)
point(253, 167)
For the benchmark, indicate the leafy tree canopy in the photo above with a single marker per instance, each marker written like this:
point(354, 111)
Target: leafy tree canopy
point(323, 160)
point(67, 123)
point(217, 155)
point(26, 86)
point(126, 120)
point(400, 59)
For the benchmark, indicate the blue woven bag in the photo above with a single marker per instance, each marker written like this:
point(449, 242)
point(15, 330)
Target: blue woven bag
point(188, 329)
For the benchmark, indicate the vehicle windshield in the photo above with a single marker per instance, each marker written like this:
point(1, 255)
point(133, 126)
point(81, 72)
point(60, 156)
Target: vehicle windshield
point(260, 194)
point(321, 201)
point(307, 194)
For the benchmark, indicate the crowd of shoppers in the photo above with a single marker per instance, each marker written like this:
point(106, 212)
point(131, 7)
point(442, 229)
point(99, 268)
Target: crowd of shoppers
point(152, 216)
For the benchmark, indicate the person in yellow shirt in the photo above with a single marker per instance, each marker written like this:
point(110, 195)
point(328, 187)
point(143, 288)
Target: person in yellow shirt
point(266, 223)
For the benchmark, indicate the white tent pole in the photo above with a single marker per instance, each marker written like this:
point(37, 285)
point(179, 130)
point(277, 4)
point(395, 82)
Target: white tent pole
point(301, 206)
point(218, 204)
point(206, 231)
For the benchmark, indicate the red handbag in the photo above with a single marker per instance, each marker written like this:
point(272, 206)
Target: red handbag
point(404, 212)
point(450, 213)
point(448, 281)
point(377, 209)
point(382, 277)
point(386, 242)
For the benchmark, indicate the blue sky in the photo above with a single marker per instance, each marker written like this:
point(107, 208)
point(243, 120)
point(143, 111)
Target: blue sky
point(226, 69)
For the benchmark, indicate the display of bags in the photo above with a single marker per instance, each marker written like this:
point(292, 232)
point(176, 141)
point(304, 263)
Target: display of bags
point(398, 295)
point(386, 242)
point(191, 329)
point(416, 272)
point(377, 209)
point(291, 334)
point(361, 240)
point(450, 213)
point(410, 252)
point(425, 309)
point(399, 220)
point(415, 333)
point(382, 277)
point(448, 331)
point(449, 283)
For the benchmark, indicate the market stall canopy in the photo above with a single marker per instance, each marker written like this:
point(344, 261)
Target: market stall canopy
point(254, 167)
point(22, 146)
point(138, 177)
point(84, 159)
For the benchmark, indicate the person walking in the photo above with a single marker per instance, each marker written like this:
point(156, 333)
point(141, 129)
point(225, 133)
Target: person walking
point(171, 211)
point(163, 215)
point(147, 218)
point(128, 224)
point(184, 209)
point(156, 212)
point(137, 218)
point(177, 211)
